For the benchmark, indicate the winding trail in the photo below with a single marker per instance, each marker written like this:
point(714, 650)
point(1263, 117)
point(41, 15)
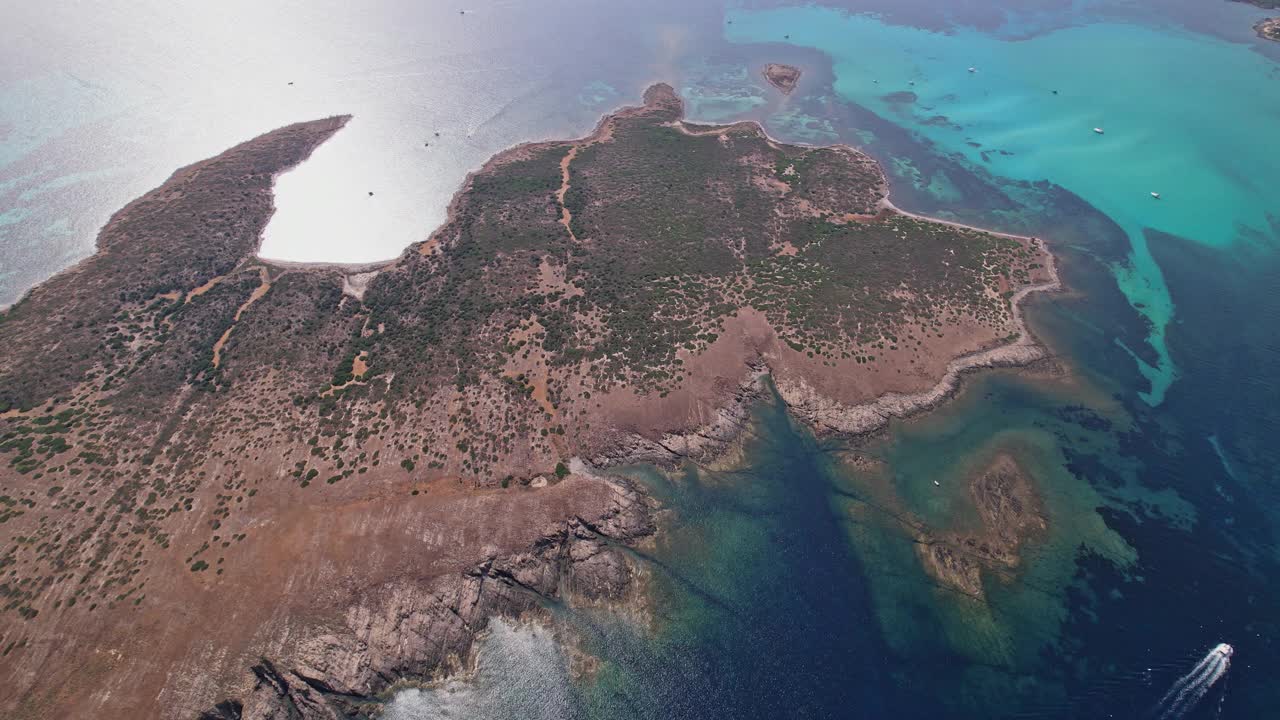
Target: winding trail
point(197, 292)
point(566, 217)
point(257, 293)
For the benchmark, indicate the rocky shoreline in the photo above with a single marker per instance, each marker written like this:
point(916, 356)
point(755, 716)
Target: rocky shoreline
point(347, 591)
point(403, 634)
point(824, 415)
point(704, 443)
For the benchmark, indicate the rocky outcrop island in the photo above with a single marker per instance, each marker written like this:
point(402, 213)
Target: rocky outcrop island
point(1269, 28)
point(782, 77)
point(255, 491)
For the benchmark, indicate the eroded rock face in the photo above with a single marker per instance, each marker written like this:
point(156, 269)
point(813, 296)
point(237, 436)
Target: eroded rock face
point(403, 631)
point(732, 411)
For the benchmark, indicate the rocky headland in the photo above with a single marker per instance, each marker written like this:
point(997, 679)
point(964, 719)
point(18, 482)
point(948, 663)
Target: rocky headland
point(259, 490)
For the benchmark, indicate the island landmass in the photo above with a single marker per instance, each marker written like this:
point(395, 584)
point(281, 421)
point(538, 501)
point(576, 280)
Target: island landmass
point(783, 77)
point(1269, 28)
point(258, 490)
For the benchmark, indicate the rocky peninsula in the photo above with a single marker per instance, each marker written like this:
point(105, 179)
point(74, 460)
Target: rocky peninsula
point(256, 490)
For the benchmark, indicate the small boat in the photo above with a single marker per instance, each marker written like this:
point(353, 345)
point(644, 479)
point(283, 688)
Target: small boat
point(973, 70)
point(935, 482)
point(1098, 130)
point(1155, 195)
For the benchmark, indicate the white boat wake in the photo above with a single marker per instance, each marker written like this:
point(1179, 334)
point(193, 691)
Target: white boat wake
point(1193, 686)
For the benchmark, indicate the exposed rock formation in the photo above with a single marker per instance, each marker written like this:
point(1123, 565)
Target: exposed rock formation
point(403, 631)
point(1010, 514)
point(1268, 28)
point(783, 77)
point(826, 414)
point(213, 463)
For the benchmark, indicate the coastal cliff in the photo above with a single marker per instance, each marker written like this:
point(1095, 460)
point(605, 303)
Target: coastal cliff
point(262, 491)
point(403, 632)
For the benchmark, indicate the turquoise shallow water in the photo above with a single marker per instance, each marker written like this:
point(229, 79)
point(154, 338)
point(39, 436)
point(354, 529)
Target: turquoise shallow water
point(1184, 115)
point(790, 585)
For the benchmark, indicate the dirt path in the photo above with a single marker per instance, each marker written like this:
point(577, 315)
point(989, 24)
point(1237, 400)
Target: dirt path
point(204, 288)
point(566, 217)
point(885, 203)
point(253, 297)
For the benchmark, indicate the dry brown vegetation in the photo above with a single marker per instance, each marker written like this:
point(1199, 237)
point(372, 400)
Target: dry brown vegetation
point(176, 417)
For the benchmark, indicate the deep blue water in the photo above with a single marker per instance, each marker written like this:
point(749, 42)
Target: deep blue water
point(786, 584)
point(789, 585)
